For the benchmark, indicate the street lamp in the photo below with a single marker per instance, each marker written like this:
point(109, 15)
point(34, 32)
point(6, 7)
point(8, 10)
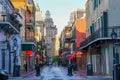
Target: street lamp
point(15, 57)
point(113, 36)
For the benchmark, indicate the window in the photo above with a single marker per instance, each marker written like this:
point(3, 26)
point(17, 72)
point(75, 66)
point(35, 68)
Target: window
point(99, 1)
point(0, 8)
point(92, 28)
point(95, 4)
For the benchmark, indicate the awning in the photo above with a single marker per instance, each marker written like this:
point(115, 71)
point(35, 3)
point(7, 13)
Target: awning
point(28, 47)
point(29, 52)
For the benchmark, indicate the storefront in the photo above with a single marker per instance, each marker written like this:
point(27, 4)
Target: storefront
point(29, 55)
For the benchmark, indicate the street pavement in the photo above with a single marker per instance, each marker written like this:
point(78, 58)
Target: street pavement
point(59, 73)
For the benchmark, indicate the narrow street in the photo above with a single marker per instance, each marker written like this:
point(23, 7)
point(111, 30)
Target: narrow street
point(58, 73)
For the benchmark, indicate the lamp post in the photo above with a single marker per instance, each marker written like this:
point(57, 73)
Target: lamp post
point(15, 57)
point(113, 36)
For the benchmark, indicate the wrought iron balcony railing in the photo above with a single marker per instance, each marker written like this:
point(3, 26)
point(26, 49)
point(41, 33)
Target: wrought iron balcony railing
point(10, 20)
point(30, 24)
point(67, 38)
point(29, 39)
point(100, 34)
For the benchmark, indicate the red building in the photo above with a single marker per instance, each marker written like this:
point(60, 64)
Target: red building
point(80, 36)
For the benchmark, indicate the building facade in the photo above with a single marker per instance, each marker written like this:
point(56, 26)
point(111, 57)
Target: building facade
point(29, 44)
point(40, 25)
point(20, 6)
point(51, 31)
point(10, 36)
point(80, 36)
point(72, 35)
point(55, 45)
point(101, 18)
point(78, 24)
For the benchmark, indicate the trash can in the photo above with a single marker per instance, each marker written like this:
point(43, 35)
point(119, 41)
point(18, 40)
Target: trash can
point(116, 72)
point(37, 67)
point(89, 70)
point(17, 70)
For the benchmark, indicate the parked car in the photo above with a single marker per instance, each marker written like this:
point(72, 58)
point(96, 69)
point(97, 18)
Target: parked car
point(3, 74)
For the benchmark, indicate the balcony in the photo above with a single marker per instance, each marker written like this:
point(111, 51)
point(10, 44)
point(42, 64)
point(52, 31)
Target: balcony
point(28, 43)
point(67, 39)
point(100, 35)
point(10, 24)
point(29, 40)
point(30, 25)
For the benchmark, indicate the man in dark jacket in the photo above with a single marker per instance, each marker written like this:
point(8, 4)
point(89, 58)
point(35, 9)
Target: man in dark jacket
point(37, 67)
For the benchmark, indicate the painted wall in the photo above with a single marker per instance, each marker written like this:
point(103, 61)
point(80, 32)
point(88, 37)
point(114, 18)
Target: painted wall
point(19, 4)
point(80, 30)
point(114, 13)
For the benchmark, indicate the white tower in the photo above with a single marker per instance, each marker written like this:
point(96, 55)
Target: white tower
point(47, 14)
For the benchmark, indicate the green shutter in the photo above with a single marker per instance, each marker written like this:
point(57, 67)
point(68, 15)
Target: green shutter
point(105, 15)
point(104, 24)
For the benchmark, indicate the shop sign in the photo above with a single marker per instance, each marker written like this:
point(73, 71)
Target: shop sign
point(70, 56)
point(78, 55)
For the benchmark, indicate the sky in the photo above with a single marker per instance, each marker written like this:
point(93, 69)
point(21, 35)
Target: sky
point(60, 10)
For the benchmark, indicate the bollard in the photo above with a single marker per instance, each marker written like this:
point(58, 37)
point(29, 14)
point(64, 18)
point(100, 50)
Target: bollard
point(70, 70)
point(37, 67)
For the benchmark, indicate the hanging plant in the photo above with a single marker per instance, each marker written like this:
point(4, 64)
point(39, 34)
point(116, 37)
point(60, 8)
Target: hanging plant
point(20, 25)
point(16, 22)
point(13, 17)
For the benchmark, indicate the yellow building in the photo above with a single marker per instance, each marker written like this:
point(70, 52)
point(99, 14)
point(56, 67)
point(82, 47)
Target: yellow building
point(55, 45)
point(20, 5)
point(39, 30)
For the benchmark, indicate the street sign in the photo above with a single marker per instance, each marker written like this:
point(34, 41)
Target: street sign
point(3, 45)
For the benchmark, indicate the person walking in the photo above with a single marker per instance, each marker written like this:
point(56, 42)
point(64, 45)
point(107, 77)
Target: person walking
point(25, 65)
point(37, 67)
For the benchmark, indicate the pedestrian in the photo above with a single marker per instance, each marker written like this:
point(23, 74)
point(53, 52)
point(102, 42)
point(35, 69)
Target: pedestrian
point(58, 61)
point(37, 67)
point(25, 65)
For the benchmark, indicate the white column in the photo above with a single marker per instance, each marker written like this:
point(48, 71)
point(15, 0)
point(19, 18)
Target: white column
point(12, 57)
point(107, 62)
point(0, 59)
point(7, 60)
point(17, 36)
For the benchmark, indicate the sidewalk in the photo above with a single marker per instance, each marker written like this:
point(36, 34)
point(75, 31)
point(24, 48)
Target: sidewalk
point(24, 73)
point(96, 76)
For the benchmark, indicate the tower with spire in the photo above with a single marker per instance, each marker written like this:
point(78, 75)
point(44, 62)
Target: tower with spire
point(51, 31)
point(47, 14)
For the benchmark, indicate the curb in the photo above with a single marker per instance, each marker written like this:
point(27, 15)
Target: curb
point(27, 74)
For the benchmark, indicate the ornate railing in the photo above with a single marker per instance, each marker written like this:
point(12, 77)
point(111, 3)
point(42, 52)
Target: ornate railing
point(100, 34)
point(29, 39)
point(11, 19)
